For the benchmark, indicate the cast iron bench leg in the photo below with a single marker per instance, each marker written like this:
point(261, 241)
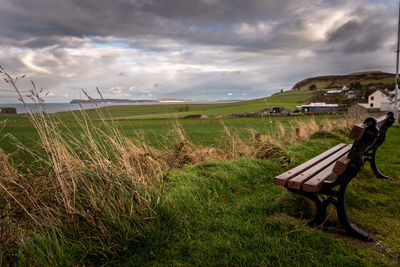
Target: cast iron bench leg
point(321, 205)
point(372, 161)
point(343, 217)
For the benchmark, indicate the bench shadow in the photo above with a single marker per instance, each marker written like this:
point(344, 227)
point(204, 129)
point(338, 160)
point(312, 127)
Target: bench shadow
point(302, 208)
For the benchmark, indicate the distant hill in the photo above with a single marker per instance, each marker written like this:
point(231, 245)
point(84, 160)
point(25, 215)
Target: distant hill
point(338, 81)
point(110, 100)
point(175, 100)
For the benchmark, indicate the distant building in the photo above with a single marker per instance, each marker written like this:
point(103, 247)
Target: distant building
point(334, 92)
point(343, 90)
point(351, 94)
point(318, 108)
point(7, 110)
point(376, 98)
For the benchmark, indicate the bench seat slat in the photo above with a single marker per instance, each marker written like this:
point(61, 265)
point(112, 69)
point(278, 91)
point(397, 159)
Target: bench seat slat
point(283, 178)
point(315, 183)
point(298, 181)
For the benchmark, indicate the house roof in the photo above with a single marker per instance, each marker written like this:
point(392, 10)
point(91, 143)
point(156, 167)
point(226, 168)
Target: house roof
point(319, 104)
point(363, 100)
point(386, 93)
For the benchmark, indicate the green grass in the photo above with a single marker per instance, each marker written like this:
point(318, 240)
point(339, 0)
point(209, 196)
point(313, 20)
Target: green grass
point(288, 100)
point(382, 81)
point(319, 84)
point(225, 212)
point(230, 213)
point(365, 72)
point(139, 118)
point(205, 132)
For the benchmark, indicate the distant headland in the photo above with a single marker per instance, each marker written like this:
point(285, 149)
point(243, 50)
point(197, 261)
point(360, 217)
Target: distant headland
point(111, 100)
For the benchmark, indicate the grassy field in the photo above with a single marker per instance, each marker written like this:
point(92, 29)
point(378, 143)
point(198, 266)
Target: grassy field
point(287, 100)
point(149, 119)
point(205, 132)
point(126, 190)
point(230, 213)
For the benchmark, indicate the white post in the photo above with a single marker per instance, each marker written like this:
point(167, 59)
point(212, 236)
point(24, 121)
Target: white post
point(396, 97)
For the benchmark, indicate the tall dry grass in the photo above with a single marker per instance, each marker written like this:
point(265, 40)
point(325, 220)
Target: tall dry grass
point(100, 185)
point(96, 183)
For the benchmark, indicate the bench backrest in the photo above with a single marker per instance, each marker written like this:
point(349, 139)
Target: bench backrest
point(369, 135)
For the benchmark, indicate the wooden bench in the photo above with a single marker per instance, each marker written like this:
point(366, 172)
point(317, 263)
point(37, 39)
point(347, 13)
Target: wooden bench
point(324, 178)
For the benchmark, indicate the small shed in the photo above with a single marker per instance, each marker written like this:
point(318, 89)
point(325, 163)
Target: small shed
point(8, 110)
point(276, 110)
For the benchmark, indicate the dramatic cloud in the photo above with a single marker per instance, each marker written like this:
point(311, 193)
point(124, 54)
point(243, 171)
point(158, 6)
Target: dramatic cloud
point(203, 49)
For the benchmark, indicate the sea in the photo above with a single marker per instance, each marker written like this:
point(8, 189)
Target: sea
point(60, 107)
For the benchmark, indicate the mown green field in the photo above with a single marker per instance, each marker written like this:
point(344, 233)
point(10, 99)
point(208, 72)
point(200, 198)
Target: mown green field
point(205, 132)
point(152, 119)
point(288, 100)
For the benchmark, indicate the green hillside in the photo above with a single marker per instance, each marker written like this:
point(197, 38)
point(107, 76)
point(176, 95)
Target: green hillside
point(338, 81)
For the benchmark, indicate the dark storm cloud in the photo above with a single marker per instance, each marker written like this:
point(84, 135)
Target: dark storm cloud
point(206, 21)
point(367, 32)
point(42, 23)
point(194, 48)
point(346, 31)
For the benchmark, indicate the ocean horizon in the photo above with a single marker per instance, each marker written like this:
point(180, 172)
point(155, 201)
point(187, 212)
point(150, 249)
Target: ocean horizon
point(62, 107)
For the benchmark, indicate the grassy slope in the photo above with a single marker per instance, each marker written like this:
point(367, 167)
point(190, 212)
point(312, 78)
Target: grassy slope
point(230, 213)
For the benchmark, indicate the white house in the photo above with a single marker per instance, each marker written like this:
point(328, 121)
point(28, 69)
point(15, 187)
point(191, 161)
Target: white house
point(376, 98)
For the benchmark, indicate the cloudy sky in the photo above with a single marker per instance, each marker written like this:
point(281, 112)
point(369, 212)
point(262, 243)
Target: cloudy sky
point(192, 49)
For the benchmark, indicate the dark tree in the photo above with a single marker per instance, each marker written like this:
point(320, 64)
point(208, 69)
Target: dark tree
point(312, 87)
